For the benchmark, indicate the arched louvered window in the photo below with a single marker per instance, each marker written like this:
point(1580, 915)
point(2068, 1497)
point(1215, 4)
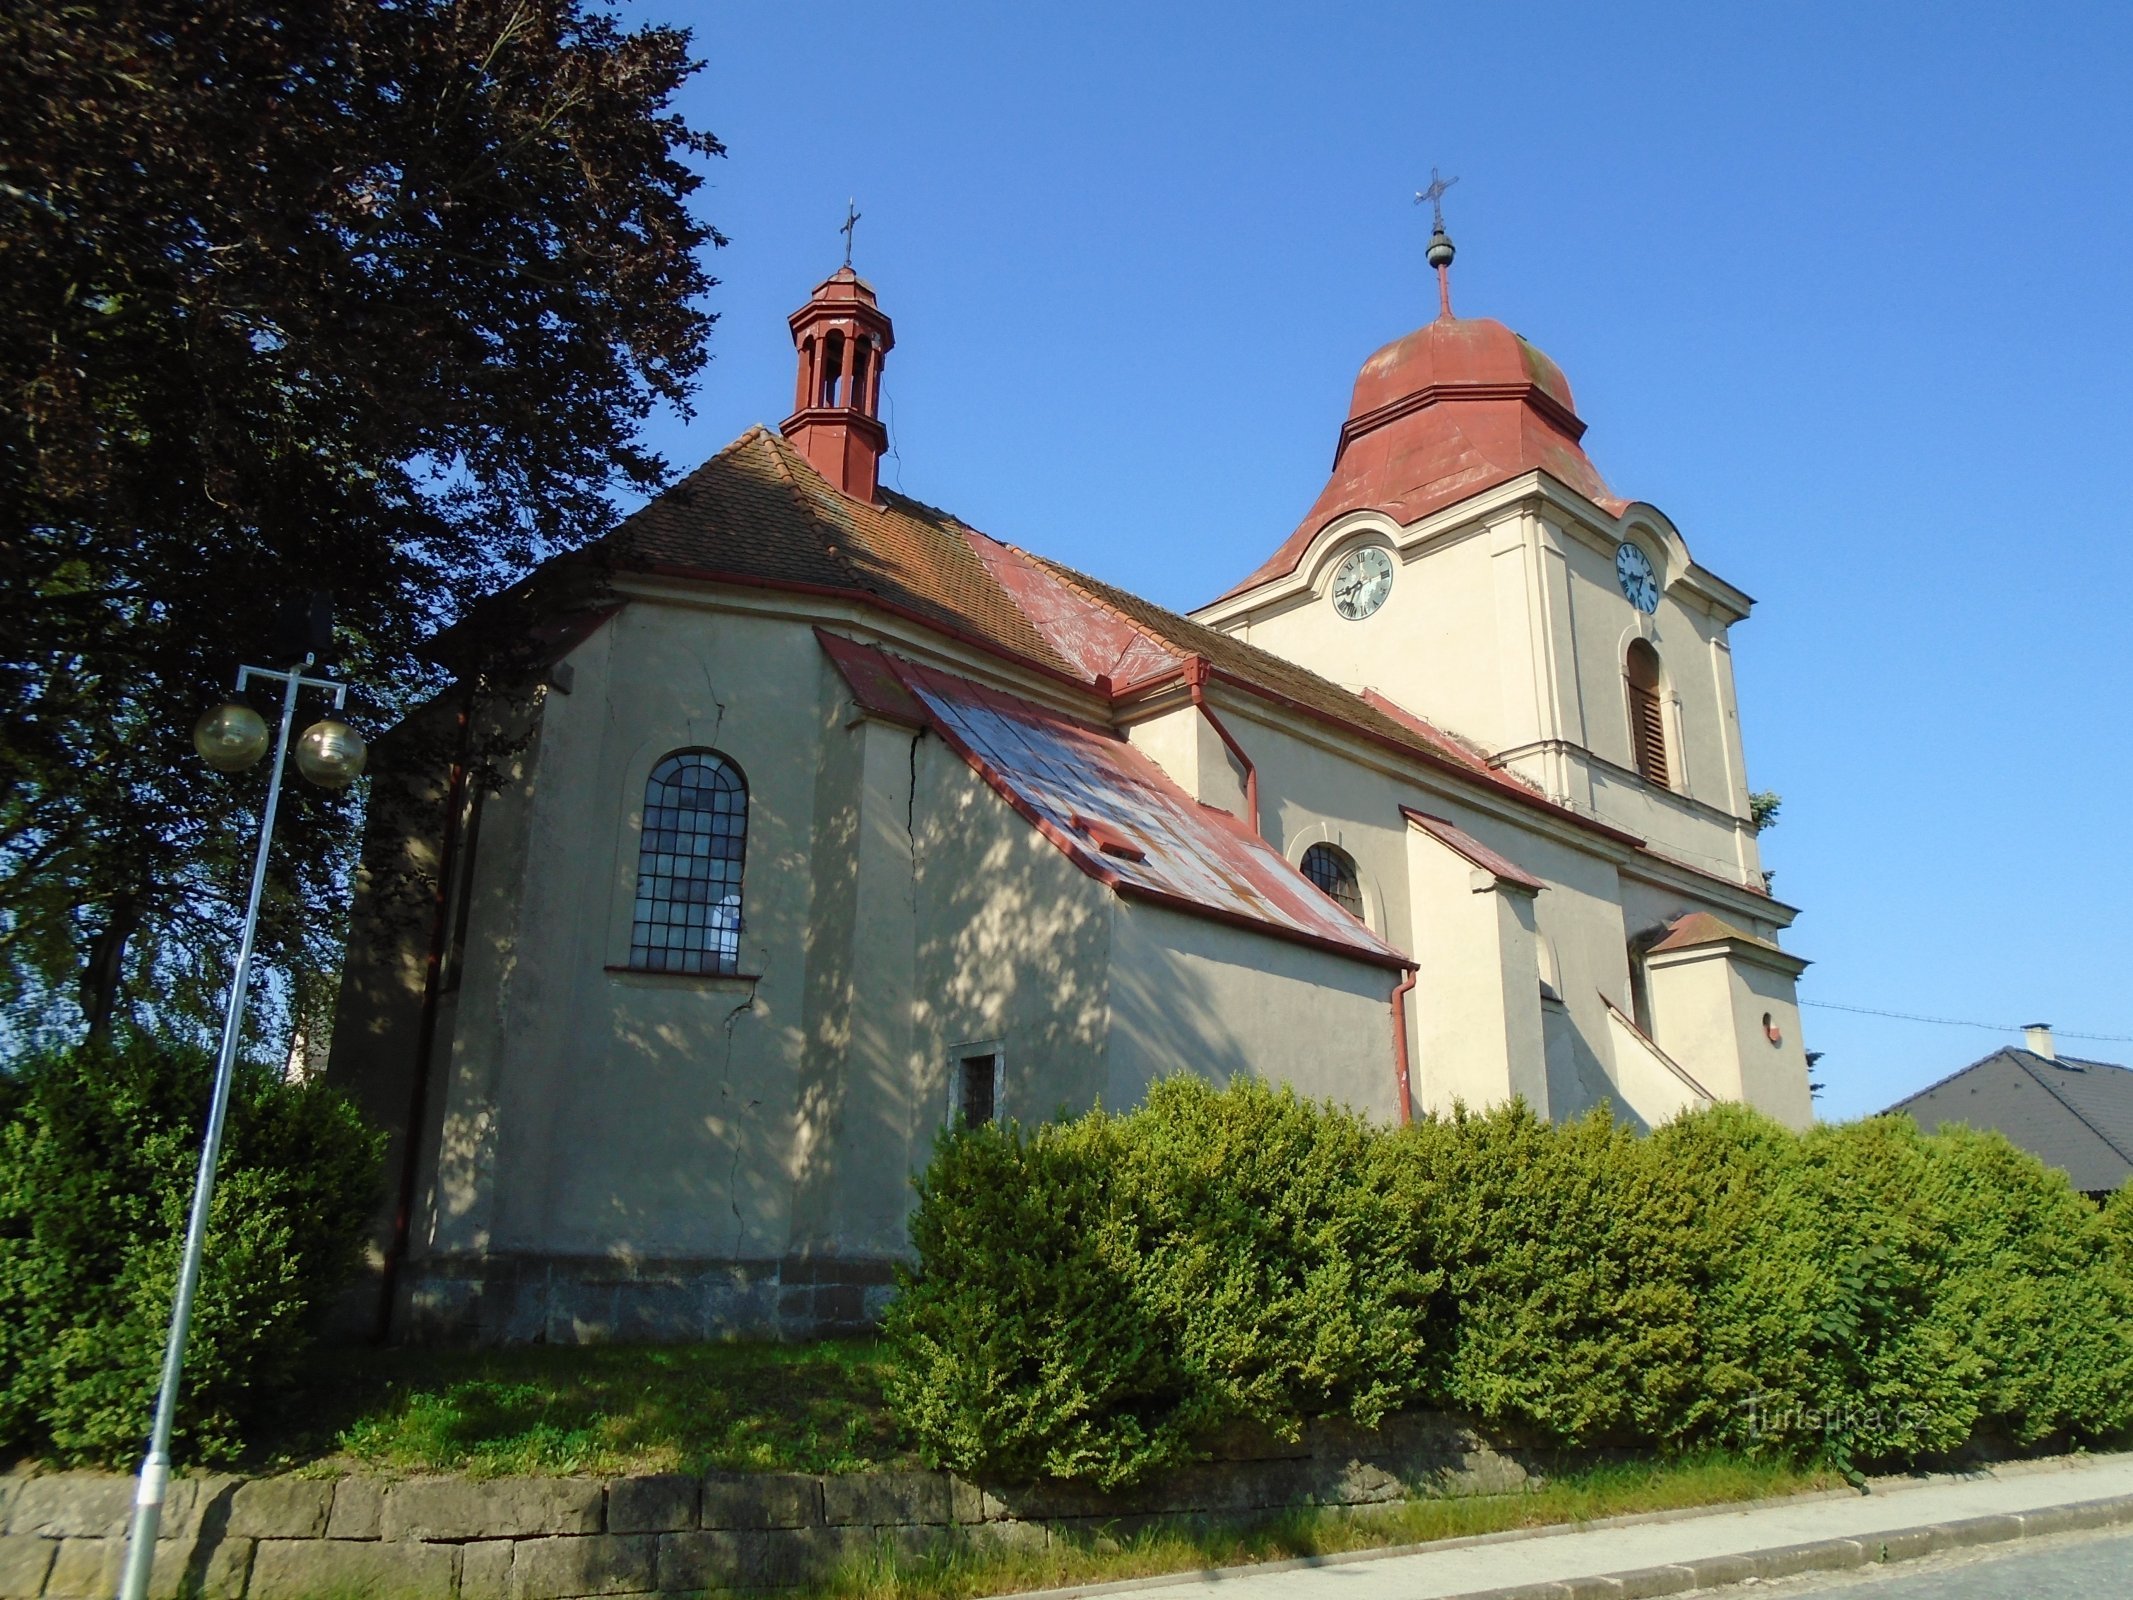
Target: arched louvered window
point(1333, 870)
point(689, 866)
point(1647, 720)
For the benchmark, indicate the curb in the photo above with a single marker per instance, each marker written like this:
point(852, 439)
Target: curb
point(1704, 1572)
point(1824, 1555)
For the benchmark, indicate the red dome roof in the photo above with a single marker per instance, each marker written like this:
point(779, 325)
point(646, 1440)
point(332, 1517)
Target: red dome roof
point(1452, 409)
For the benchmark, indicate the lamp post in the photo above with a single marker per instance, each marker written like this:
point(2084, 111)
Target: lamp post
point(230, 738)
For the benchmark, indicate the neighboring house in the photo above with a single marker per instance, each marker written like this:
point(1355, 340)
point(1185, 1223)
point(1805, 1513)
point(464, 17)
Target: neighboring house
point(838, 819)
point(2070, 1114)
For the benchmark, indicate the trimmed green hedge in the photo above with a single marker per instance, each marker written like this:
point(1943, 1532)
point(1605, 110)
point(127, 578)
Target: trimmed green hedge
point(1093, 1299)
point(98, 1152)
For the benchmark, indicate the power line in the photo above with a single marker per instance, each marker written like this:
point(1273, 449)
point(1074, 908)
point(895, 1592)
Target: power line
point(1957, 1022)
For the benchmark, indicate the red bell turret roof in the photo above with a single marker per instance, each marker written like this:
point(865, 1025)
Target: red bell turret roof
point(1452, 409)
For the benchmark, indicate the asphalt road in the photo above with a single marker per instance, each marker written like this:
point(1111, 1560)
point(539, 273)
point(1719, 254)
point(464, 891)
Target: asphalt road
point(2095, 1566)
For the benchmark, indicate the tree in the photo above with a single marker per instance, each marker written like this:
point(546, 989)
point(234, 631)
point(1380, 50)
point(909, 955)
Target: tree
point(341, 295)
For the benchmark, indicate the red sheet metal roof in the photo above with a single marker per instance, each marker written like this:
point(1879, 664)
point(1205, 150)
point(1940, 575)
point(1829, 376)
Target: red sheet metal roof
point(1438, 416)
point(1113, 812)
point(1462, 843)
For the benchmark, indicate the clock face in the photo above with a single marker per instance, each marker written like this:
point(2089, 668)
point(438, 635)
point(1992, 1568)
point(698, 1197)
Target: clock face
point(1361, 582)
point(1633, 570)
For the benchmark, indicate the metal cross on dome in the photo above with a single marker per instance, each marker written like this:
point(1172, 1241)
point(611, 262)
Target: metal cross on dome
point(851, 225)
point(1434, 194)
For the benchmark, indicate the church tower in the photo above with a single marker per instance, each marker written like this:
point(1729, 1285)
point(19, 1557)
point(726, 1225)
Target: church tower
point(841, 337)
point(1467, 563)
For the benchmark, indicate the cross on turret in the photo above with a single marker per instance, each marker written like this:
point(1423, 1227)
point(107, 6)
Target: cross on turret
point(1440, 242)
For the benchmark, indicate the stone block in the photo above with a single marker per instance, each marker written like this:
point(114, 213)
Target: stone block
point(591, 1564)
point(2065, 1519)
point(85, 1569)
point(1996, 1528)
point(495, 1508)
point(887, 1499)
point(1588, 1588)
point(1642, 1583)
point(1817, 1555)
point(210, 1568)
point(67, 1505)
point(24, 1561)
point(689, 1563)
point(485, 1570)
point(761, 1500)
point(662, 1504)
point(1903, 1544)
point(966, 1501)
point(196, 1505)
point(794, 1558)
point(281, 1508)
point(1716, 1571)
point(358, 1509)
point(347, 1569)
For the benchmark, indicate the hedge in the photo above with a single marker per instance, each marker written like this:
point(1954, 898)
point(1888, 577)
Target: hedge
point(98, 1152)
point(1095, 1299)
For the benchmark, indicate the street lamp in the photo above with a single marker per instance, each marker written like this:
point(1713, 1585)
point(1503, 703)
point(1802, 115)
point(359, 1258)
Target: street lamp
point(230, 738)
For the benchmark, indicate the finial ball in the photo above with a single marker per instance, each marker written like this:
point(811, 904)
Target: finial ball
point(1440, 249)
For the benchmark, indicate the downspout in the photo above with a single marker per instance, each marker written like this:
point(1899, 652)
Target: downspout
point(1196, 671)
point(425, 1038)
point(1399, 1047)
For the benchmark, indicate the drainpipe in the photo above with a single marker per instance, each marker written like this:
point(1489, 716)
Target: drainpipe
point(425, 1037)
point(1196, 671)
point(1399, 1048)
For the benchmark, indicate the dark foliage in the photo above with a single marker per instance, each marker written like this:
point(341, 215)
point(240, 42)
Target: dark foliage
point(97, 1156)
point(362, 297)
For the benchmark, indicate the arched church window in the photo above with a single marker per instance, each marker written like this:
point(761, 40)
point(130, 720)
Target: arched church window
point(1647, 722)
point(1333, 870)
point(688, 916)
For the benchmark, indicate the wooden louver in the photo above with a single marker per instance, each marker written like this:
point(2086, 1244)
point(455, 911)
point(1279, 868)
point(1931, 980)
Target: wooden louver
point(1647, 725)
point(1648, 733)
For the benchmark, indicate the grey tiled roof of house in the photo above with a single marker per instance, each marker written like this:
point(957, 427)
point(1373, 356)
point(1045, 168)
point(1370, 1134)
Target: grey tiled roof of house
point(2072, 1114)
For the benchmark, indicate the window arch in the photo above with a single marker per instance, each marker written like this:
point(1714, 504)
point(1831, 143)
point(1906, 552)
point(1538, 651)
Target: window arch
point(688, 915)
point(1333, 870)
point(1647, 720)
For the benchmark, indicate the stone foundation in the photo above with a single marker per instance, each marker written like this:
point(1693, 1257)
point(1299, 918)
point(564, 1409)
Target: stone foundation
point(503, 1299)
point(62, 1535)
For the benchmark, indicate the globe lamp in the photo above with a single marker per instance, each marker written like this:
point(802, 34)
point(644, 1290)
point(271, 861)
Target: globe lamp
point(330, 753)
point(231, 736)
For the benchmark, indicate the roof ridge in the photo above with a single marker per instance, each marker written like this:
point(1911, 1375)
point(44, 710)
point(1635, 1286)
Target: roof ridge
point(2023, 1059)
point(783, 456)
point(1082, 585)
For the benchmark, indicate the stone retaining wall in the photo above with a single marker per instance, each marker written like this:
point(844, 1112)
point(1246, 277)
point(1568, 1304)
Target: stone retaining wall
point(62, 1535)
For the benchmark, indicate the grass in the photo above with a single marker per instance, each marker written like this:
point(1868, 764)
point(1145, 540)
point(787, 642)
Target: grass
point(959, 1568)
point(592, 1409)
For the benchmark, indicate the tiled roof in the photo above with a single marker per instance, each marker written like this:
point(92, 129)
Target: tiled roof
point(758, 512)
point(2072, 1114)
point(1110, 809)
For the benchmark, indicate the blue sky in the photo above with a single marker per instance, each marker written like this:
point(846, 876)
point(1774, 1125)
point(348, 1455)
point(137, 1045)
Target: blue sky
point(1843, 290)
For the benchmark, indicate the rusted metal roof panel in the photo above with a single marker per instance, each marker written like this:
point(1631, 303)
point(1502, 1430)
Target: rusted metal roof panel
point(1118, 816)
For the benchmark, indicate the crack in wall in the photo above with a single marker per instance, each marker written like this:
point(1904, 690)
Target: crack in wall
point(733, 1171)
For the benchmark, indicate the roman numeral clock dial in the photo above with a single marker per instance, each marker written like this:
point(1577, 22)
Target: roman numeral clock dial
point(1361, 582)
point(1640, 585)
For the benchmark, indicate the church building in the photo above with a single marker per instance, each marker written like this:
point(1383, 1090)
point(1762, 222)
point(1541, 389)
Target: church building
point(836, 820)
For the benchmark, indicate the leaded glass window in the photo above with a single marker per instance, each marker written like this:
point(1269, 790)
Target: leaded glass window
point(689, 866)
point(1333, 870)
